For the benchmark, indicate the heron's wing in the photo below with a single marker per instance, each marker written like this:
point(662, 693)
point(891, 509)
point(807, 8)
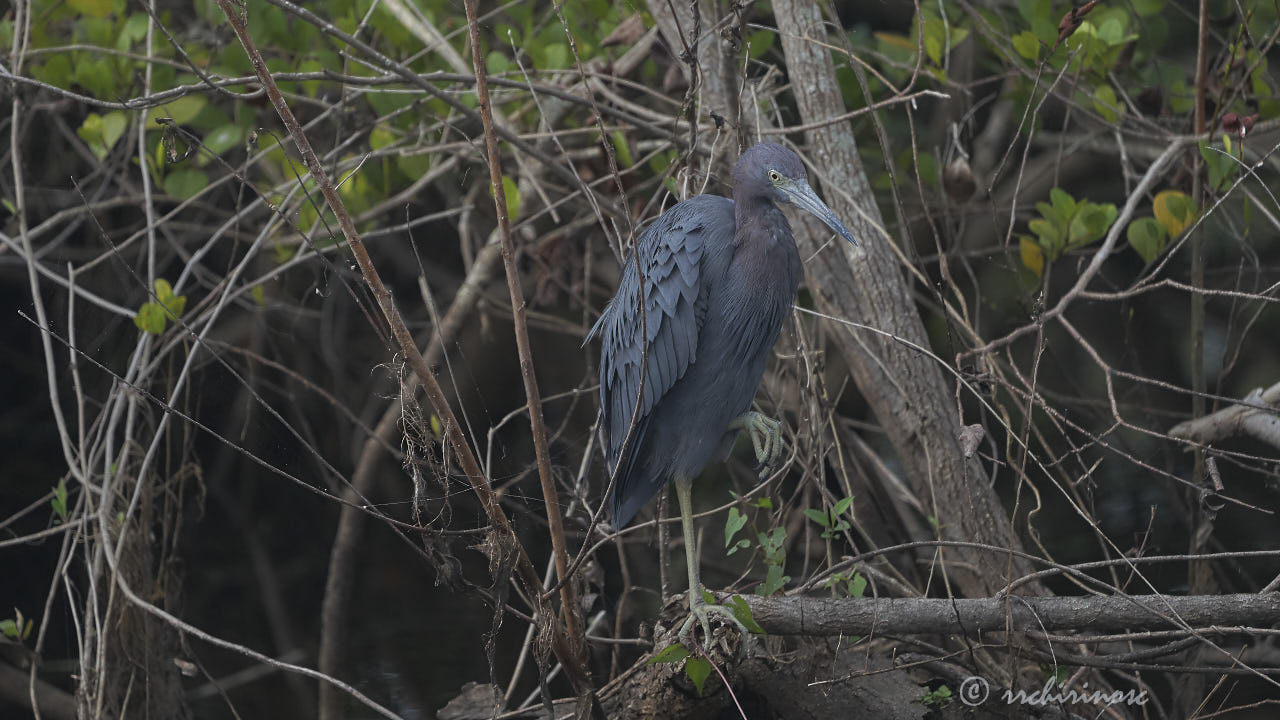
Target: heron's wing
point(675, 291)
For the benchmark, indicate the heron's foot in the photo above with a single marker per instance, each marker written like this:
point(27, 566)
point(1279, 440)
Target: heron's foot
point(700, 614)
point(766, 439)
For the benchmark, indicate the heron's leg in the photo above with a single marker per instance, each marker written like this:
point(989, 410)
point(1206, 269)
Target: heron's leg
point(699, 611)
point(766, 437)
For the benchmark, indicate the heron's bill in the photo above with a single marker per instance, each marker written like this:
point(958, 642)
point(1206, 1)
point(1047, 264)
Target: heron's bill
point(803, 197)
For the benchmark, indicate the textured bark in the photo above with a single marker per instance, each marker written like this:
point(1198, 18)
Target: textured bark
point(904, 388)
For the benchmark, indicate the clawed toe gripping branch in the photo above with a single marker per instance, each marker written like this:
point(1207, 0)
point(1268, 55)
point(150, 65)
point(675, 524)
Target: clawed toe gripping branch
point(766, 439)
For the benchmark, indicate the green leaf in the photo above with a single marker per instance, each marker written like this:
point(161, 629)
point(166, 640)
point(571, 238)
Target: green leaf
point(150, 318)
point(59, 501)
point(381, 136)
point(259, 295)
point(174, 303)
point(933, 47)
point(841, 506)
point(670, 654)
point(818, 516)
point(772, 543)
point(1106, 103)
point(97, 76)
point(735, 523)
point(9, 628)
point(182, 111)
point(742, 611)
point(1090, 223)
point(102, 131)
point(698, 670)
point(760, 41)
point(185, 184)
point(1147, 237)
point(764, 502)
point(1063, 204)
point(496, 62)
point(1050, 236)
point(134, 30)
point(1111, 31)
point(1221, 166)
point(1027, 45)
point(223, 138)
point(1174, 211)
point(512, 194)
point(773, 582)
point(414, 166)
point(56, 70)
point(857, 586)
point(153, 316)
point(624, 150)
point(554, 56)
point(92, 8)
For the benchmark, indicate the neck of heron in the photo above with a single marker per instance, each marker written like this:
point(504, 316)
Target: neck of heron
point(760, 222)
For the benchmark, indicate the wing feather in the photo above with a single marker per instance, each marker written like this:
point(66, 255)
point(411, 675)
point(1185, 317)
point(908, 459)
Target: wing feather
point(672, 250)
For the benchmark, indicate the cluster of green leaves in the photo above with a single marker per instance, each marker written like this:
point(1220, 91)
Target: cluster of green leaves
point(1172, 212)
point(154, 315)
point(67, 37)
point(1064, 224)
point(937, 698)
point(770, 546)
point(832, 520)
point(855, 585)
point(932, 31)
point(1093, 49)
point(17, 628)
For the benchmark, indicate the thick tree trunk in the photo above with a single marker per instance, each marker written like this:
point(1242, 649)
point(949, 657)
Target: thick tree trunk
point(904, 387)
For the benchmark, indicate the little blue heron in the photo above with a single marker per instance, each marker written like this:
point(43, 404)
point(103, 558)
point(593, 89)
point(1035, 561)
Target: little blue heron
point(720, 276)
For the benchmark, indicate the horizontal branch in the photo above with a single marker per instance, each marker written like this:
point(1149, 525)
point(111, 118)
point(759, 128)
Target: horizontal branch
point(867, 616)
point(1244, 419)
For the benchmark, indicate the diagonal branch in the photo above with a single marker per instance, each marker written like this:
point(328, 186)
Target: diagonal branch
point(568, 595)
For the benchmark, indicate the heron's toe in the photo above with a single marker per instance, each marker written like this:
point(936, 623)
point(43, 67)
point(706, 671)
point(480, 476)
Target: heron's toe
point(701, 614)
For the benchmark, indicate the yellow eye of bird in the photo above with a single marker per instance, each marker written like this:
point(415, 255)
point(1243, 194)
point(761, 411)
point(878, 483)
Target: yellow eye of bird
point(774, 176)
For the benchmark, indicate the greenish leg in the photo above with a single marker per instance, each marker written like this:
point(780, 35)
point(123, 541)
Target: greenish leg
point(766, 438)
point(699, 611)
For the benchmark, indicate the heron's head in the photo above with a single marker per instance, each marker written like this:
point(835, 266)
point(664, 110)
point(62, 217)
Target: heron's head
point(772, 171)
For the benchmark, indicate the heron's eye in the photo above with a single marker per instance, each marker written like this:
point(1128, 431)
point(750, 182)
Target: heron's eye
point(774, 176)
